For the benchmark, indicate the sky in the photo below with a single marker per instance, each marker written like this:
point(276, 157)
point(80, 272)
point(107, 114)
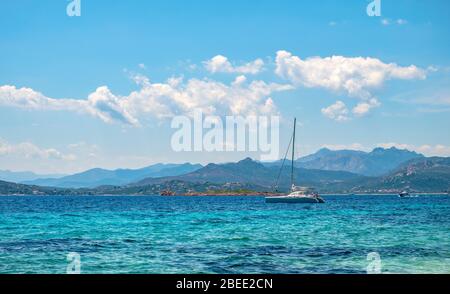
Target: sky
point(101, 89)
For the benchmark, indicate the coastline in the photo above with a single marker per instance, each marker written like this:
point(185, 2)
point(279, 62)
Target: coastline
point(205, 194)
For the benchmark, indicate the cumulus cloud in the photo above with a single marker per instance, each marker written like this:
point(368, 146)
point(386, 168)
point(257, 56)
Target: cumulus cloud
point(220, 63)
point(355, 76)
point(109, 107)
point(30, 99)
point(337, 111)
point(102, 103)
point(363, 108)
point(160, 100)
point(29, 150)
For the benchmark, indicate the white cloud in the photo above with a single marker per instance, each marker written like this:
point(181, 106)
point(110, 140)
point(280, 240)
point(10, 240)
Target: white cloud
point(355, 76)
point(84, 149)
point(30, 99)
point(396, 145)
point(109, 107)
point(159, 100)
point(212, 97)
point(387, 21)
point(220, 63)
point(29, 150)
point(239, 80)
point(102, 103)
point(337, 111)
point(67, 159)
point(364, 107)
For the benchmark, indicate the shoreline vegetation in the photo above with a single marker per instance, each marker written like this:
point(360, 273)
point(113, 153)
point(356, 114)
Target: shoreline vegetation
point(189, 189)
point(178, 188)
point(232, 193)
point(220, 194)
point(252, 178)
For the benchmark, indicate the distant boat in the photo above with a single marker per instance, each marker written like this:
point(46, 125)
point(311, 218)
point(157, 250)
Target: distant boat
point(298, 194)
point(403, 194)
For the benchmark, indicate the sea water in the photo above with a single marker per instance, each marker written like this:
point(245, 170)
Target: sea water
point(157, 234)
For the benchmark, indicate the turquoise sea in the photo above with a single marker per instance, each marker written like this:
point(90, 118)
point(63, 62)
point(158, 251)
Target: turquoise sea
point(224, 234)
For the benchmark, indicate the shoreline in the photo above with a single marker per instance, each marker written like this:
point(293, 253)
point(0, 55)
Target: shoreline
point(256, 194)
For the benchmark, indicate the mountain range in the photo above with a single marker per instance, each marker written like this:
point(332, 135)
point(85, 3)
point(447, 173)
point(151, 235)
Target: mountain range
point(421, 175)
point(18, 177)
point(250, 171)
point(100, 177)
point(375, 163)
point(417, 175)
point(405, 171)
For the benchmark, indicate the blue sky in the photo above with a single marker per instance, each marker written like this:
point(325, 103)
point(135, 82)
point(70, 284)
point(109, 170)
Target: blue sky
point(400, 78)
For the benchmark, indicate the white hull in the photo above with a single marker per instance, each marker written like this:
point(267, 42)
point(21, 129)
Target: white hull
point(409, 196)
point(299, 194)
point(294, 199)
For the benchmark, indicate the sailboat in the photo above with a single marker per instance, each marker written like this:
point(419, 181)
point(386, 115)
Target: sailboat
point(298, 194)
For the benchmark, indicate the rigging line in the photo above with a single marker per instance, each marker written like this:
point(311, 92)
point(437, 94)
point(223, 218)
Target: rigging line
point(282, 165)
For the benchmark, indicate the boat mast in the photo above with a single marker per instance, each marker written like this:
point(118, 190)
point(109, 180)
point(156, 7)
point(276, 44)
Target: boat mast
point(293, 152)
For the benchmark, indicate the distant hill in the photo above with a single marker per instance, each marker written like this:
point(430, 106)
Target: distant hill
point(17, 177)
point(8, 188)
point(376, 163)
point(100, 177)
point(251, 172)
point(178, 187)
point(418, 175)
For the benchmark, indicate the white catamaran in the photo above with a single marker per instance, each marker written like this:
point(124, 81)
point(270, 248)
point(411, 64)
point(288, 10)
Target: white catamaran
point(298, 194)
